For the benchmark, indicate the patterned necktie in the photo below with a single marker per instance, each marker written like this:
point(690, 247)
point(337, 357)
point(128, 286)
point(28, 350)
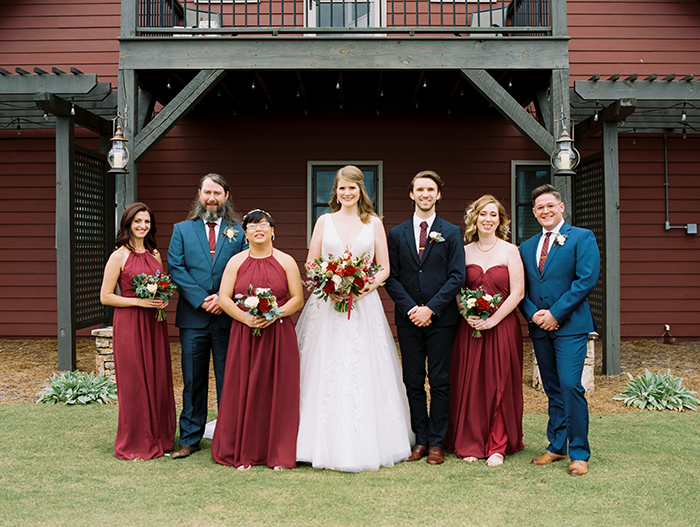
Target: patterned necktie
point(422, 239)
point(212, 238)
point(545, 251)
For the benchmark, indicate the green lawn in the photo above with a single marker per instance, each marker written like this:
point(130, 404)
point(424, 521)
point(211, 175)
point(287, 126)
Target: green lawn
point(57, 468)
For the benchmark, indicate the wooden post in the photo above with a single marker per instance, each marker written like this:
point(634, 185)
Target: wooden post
point(65, 163)
point(611, 269)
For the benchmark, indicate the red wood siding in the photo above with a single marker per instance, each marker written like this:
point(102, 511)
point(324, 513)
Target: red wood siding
point(626, 37)
point(61, 33)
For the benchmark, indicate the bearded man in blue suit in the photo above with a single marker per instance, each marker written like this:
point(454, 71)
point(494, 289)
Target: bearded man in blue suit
point(426, 273)
point(199, 250)
point(561, 270)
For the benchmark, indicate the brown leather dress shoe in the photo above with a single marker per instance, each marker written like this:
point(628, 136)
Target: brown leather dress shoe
point(547, 458)
point(435, 456)
point(184, 451)
point(578, 468)
point(417, 453)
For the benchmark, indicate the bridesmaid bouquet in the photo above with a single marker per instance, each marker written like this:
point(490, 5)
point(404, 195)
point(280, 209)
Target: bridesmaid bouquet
point(154, 286)
point(260, 302)
point(477, 303)
point(343, 275)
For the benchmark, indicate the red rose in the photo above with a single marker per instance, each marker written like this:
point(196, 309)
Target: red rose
point(482, 304)
point(359, 282)
point(332, 267)
point(264, 305)
point(329, 288)
point(349, 271)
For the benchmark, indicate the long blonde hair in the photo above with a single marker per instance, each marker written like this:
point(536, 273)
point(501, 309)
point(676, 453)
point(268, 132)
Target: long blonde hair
point(364, 204)
point(471, 233)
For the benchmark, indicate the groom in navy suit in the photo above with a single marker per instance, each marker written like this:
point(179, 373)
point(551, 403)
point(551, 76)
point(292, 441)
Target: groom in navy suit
point(199, 250)
point(427, 271)
point(561, 270)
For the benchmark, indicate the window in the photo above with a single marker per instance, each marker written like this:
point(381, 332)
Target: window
point(320, 186)
point(527, 176)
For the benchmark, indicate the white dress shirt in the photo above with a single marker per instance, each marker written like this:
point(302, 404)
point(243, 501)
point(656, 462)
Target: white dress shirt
point(416, 228)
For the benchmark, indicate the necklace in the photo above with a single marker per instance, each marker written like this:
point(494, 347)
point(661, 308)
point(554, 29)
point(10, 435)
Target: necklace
point(486, 250)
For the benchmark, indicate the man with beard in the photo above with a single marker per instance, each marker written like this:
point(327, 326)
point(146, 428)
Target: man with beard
point(427, 270)
point(199, 250)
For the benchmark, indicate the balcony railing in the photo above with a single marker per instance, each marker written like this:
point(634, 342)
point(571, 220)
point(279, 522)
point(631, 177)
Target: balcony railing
point(334, 17)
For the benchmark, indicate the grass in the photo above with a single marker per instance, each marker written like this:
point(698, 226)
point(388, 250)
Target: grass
point(57, 468)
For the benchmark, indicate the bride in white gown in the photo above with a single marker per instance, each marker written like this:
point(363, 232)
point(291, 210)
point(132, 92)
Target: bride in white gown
point(354, 411)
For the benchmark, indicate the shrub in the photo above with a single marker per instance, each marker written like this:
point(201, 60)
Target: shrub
point(657, 392)
point(78, 388)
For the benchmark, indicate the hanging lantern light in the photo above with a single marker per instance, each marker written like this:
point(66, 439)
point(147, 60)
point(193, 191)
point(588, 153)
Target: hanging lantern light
point(565, 157)
point(118, 156)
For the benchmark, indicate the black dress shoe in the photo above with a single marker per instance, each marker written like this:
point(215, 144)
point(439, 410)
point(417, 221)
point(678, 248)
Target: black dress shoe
point(184, 451)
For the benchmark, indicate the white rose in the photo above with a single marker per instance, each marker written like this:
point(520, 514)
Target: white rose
point(471, 303)
point(488, 298)
point(152, 288)
point(251, 302)
point(337, 280)
point(261, 290)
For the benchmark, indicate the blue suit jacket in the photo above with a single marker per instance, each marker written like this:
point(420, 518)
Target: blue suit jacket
point(196, 274)
point(433, 281)
point(570, 274)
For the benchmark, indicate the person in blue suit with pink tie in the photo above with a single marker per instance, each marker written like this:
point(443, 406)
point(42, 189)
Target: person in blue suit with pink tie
point(561, 270)
point(199, 250)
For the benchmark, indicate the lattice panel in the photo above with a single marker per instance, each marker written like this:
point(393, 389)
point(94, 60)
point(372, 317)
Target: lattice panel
point(589, 213)
point(90, 236)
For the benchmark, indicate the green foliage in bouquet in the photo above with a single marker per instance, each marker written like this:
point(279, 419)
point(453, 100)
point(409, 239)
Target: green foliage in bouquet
point(657, 392)
point(74, 387)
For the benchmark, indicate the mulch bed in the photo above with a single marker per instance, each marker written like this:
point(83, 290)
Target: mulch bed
point(25, 364)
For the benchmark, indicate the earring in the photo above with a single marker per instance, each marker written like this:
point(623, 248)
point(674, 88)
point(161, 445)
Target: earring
point(273, 237)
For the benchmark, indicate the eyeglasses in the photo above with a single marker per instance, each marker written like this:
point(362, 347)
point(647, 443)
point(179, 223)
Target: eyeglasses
point(254, 226)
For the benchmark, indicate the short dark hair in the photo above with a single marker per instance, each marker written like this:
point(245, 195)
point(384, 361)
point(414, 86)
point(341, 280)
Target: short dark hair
point(430, 174)
point(545, 189)
point(256, 216)
point(124, 232)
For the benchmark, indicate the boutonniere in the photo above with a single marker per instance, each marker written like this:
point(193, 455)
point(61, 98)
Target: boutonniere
point(436, 237)
point(230, 233)
point(560, 239)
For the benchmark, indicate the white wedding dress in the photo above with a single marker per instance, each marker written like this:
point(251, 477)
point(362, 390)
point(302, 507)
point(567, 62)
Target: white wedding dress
point(354, 411)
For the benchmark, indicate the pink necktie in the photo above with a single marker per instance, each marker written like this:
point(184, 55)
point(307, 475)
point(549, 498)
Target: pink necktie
point(545, 251)
point(212, 238)
point(422, 238)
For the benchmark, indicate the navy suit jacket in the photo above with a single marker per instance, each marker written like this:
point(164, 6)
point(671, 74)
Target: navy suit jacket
point(570, 274)
point(196, 274)
point(433, 281)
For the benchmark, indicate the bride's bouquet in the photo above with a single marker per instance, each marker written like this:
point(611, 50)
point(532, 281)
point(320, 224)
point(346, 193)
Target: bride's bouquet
point(154, 286)
point(477, 303)
point(260, 302)
point(342, 275)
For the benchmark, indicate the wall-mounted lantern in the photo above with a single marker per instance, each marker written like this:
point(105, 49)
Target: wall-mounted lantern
point(565, 157)
point(118, 156)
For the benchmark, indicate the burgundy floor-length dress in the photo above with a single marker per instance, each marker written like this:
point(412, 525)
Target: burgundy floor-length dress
point(259, 411)
point(146, 424)
point(486, 395)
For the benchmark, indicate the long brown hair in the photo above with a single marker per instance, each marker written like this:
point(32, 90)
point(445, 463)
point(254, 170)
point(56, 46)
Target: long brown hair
point(471, 233)
point(364, 204)
point(124, 232)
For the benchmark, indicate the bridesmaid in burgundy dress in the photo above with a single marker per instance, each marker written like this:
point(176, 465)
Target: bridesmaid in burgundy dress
point(259, 410)
point(146, 424)
point(486, 398)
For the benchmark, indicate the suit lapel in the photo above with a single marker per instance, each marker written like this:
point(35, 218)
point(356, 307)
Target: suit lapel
point(565, 228)
point(200, 230)
point(411, 239)
point(220, 241)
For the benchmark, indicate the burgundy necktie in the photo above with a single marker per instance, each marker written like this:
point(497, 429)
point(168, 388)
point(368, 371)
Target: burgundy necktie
point(545, 251)
point(422, 238)
point(212, 238)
